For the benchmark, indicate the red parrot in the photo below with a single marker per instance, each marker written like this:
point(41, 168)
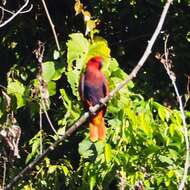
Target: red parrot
point(94, 86)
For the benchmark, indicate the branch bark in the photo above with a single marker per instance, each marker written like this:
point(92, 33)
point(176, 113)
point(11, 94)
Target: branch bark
point(52, 25)
point(172, 77)
point(105, 100)
point(15, 14)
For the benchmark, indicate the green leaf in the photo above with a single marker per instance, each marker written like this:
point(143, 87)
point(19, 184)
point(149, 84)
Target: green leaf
point(17, 89)
point(108, 153)
point(56, 54)
point(52, 169)
point(35, 142)
point(67, 102)
point(99, 147)
point(76, 55)
point(52, 88)
point(188, 36)
point(1, 107)
point(59, 69)
point(48, 70)
point(99, 47)
point(80, 50)
point(165, 159)
point(92, 182)
point(84, 148)
point(65, 170)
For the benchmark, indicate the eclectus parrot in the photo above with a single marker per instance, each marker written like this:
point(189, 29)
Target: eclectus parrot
point(94, 86)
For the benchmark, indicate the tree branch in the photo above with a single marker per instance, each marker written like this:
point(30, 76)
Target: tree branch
point(52, 25)
point(167, 65)
point(105, 100)
point(15, 14)
point(12, 12)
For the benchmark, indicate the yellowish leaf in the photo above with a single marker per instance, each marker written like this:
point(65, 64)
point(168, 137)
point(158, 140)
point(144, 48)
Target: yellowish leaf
point(87, 16)
point(91, 25)
point(78, 7)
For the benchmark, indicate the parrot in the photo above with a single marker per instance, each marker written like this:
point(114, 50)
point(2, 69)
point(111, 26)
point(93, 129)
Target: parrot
point(93, 86)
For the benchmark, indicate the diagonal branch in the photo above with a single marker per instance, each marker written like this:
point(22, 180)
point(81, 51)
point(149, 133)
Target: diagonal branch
point(105, 100)
point(52, 25)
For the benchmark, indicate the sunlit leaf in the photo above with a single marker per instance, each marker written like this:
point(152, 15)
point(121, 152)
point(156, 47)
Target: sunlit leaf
point(78, 7)
point(48, 70)
point(108, 153)
point(165, 159)
point(56, 54)
point(92, 182)
point(84, 149)
point(52, 88)
point(80, 50)
point(17, 89)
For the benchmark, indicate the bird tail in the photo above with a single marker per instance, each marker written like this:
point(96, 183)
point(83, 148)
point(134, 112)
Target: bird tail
point(97, 127)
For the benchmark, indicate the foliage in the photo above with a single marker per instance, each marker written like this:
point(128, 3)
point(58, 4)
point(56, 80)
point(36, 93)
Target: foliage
point(144, 139)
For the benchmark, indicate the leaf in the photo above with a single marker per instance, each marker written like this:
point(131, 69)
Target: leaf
point(84, 148)
point(65, 170)
point(35, 142)
point(28, 187)
point(56, 54)
point(86, 15)
point(188, 36)
point(1, 107)
point(79, 52)
point(59, 69)
point(66, 100)
point(76, 55)
point(52, 88)
point(78, 7)
point(99, 147)
point(92, 182)
point(52, 169)
point(90, 24)
point(17, 89)
point(108, 153)
point(48, 70)
point(165, 159)
point(99, 47)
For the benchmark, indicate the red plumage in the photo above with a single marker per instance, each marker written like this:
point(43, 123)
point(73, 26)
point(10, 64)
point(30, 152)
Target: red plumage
point(94, 86)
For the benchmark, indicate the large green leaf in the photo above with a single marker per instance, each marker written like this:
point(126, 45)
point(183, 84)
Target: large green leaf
point(17, 89)
point(80, 50)
point(84, 149)
point(48, 70)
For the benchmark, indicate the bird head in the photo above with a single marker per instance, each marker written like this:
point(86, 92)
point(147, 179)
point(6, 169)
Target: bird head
point(95, 62)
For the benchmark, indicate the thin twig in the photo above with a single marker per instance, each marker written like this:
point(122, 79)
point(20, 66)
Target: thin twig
point(1, 86)
point(12, 12)
point(39, 52)
point(14, 15)
point(6, 10)
point(2, 16)
point(4, 172)
point(41, 137)
point(185, 130)
point(47, 116)
point(52, 25)
point(28, 10)
point(105, 100)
